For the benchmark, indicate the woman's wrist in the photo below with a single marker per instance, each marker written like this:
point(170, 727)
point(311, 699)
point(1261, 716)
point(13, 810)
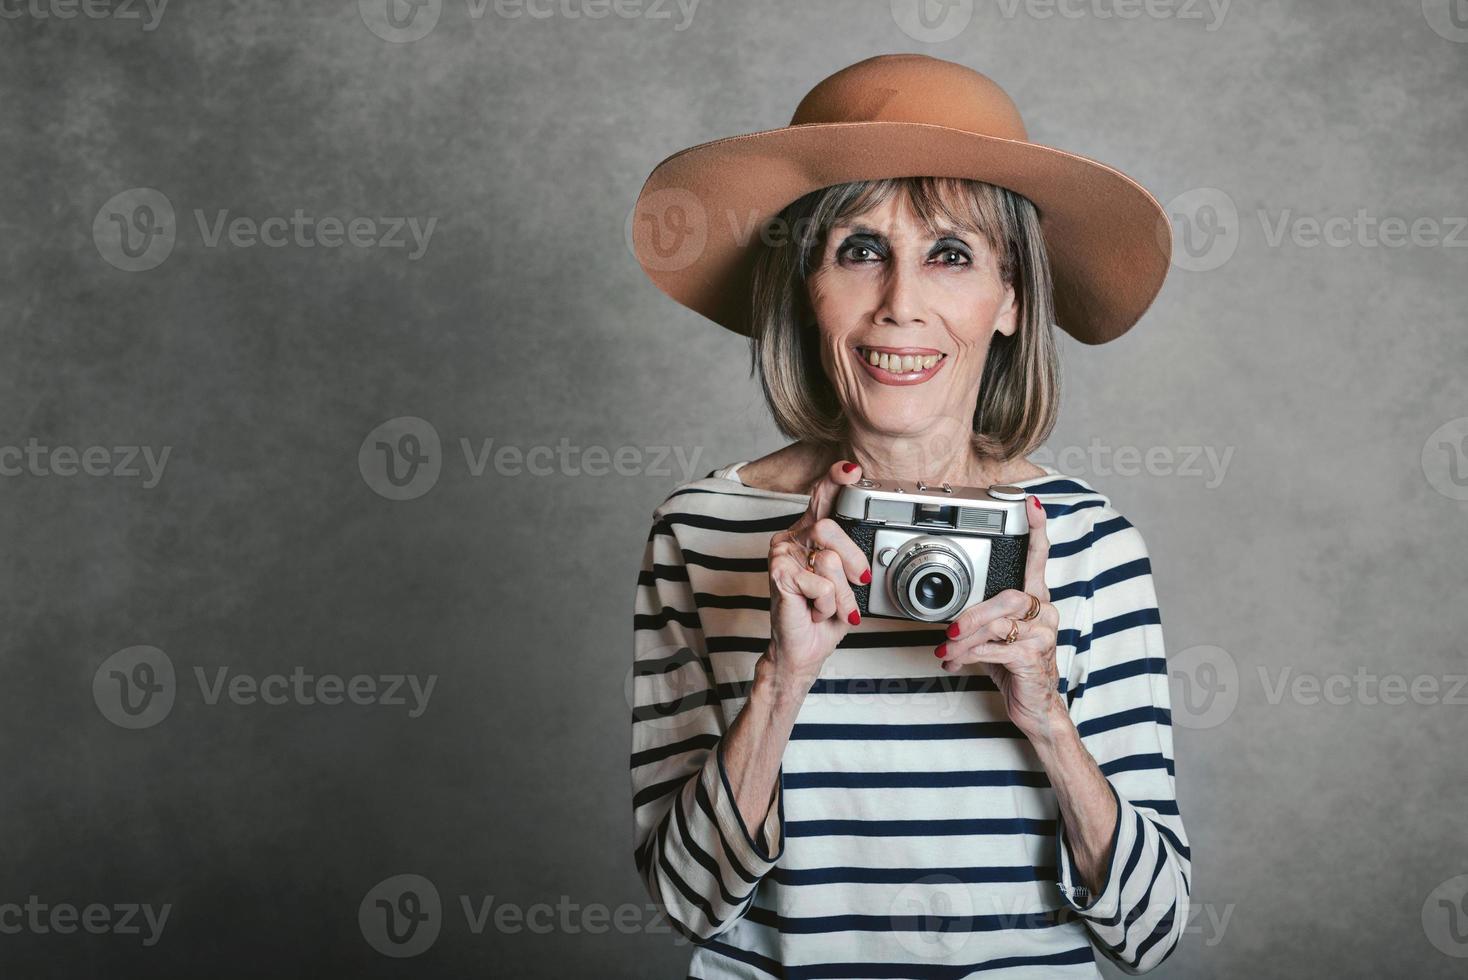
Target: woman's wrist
point(779, 688)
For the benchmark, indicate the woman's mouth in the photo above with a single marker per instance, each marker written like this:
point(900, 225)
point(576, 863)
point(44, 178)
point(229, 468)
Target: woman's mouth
point(900, 365)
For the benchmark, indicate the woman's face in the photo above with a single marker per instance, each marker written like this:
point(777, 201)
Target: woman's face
point(905, 318)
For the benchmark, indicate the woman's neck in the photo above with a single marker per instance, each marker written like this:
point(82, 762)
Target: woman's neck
point(796, 467)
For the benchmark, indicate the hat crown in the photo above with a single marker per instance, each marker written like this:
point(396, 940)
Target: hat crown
point(913, 88)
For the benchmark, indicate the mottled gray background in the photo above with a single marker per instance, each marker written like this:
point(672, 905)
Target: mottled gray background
point(1331, 545)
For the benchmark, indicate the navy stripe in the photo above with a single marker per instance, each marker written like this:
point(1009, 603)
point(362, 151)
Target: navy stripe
point(946, 924)
point(1121, 719)
point(1137, 763)
point(1098, 531)
point(657, 620)
point(920, 828)
point(904, 733)
point(908, 876)
point(915, 780)
point(660, 752)
point(1107, 675)
point(729, 525)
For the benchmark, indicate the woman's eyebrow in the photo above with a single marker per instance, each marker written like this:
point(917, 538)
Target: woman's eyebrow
point(939, 234)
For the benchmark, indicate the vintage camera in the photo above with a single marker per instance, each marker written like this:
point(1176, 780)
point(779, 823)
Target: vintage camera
point(934, 549)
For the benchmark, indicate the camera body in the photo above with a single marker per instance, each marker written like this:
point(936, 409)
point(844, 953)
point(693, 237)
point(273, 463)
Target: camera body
point(934, 549)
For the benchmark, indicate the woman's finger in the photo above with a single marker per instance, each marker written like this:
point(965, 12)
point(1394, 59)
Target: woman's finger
point(821, 592)
point(1006, 605)
point(842, 473)
point(830, 536)
point(1039, 550)
point(1012, 655)
point(830, 566)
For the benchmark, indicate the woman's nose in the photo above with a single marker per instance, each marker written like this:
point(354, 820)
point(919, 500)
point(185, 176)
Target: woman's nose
point(902, 296)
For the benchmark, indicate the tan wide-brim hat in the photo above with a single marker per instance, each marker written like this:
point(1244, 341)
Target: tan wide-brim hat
point(697, 221)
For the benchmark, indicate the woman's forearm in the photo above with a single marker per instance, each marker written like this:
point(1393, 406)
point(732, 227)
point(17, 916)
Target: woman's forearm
point(1087, 806)
point(755, 744)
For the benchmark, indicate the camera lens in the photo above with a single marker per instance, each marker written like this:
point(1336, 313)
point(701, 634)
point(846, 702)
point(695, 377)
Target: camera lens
point(933, 591)
point(930, 579)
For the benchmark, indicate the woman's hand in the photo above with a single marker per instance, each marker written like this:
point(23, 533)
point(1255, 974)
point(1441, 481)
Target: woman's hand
point(1025, 670)
point(811, 606)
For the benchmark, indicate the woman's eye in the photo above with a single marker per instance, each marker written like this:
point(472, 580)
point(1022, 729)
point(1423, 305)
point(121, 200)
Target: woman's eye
point(860, 253)
point(952, 256)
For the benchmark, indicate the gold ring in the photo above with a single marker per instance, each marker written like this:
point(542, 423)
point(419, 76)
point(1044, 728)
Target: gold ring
point(1034, 608)
point(1013, 631)
point(810, 558)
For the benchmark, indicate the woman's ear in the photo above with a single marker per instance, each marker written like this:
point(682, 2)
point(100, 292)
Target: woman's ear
point(1006, 321)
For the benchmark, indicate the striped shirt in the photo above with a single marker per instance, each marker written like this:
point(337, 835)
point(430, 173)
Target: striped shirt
point(912, 831)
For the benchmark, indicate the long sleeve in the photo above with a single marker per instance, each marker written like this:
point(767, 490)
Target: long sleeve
point(1118, 697)
point(696, 857)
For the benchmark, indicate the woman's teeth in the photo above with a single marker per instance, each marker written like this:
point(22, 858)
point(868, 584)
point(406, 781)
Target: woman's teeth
point(901, 363)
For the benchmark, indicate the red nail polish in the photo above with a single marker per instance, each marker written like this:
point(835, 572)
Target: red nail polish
point(1036, 502)
point(953, 631)
point(855, 618)
point(847, 467)
point(866, 577)
point(941, 651)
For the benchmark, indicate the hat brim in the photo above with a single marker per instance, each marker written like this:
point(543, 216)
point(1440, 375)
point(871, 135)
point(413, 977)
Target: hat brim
point(1108, 239)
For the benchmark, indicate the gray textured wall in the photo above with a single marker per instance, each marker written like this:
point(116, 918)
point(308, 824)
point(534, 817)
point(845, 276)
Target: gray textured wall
point(1323, 544)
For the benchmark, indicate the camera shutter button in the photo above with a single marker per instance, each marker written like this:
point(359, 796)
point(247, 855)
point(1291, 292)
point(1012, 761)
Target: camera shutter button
point(884, 557)
point(1006, 492)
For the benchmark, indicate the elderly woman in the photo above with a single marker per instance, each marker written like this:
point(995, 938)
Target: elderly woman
point(822, 794)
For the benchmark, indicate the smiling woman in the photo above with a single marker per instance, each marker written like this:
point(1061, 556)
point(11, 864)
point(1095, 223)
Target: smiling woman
point(822, 793)
point(868, 255)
